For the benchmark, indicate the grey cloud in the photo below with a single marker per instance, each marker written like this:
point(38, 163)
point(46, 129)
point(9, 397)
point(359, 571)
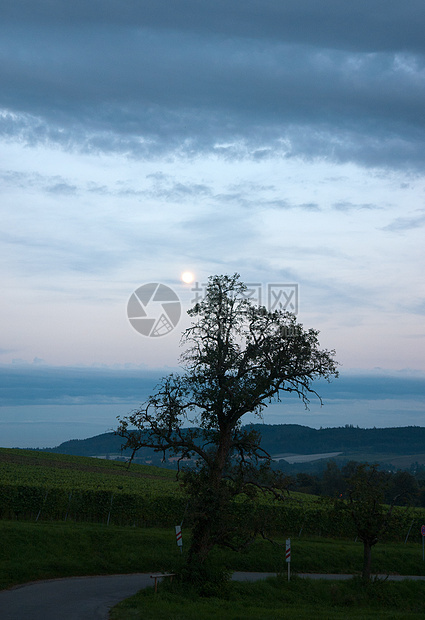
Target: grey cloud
point(163, 187)
point(168, 188)
point(25, 180)
point(46, 255)
point(237, 80)
point(406, 223)
point(361, 25)
point(349, 206)
point(418, 307)
point(95, 188)
point(309, 206)
point(285, 204)
point(373, 387)
point(62, 188)
point(18, 179)
point(248, 200)
point(250, 186)
point(37, 384)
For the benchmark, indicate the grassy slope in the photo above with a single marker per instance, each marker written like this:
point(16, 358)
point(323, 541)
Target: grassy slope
point(401, 461)
point(41, 550)
point(27, 467)
point(51, 470)
point(31, 551)
point(276, 599)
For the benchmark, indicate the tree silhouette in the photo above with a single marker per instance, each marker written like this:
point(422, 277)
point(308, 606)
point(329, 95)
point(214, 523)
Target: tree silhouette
point(366, 495)
point(239, 357)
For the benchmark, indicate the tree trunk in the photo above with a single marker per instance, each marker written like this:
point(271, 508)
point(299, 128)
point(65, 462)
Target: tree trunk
point(367, 560)
point(210, 503)
point(201, 543)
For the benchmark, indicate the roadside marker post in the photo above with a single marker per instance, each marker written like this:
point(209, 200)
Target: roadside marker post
point(288, 557)
point(423, 542)
point(179, 538)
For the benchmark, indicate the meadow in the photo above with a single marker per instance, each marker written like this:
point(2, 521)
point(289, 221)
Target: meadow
point(276, 599)
point(55, 487)
point(44, 486)
point(64, 516)
point(41, 550)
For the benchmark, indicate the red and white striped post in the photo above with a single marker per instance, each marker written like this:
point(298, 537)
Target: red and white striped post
point(179, 538)
point(288, 557)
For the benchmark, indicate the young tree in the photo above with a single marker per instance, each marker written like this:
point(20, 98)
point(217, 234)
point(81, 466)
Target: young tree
point(366, 495)
point(239, 358)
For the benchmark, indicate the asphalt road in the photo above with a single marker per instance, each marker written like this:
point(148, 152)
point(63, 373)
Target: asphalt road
point(90, 598)
point(77, 598)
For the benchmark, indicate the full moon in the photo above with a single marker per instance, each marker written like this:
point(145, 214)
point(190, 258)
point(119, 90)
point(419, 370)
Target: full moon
point(188, 277)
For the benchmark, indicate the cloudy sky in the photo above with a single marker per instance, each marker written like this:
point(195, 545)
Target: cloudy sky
point(139, 139)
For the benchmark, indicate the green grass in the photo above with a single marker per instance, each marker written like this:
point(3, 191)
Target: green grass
point(61, 471)
point(31, 551)
point(59, 487)
point(50, 549)
point(275, 599)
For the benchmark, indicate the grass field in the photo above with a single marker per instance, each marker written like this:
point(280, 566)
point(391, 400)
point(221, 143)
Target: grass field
point(52, 487)
point(48, 470)
point(276, 599)
point(31, 551)
point(59, 547)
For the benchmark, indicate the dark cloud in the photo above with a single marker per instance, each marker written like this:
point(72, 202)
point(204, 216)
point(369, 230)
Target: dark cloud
point(362, 25)
point(240, 79)
point(375, 387)
point(37, 384)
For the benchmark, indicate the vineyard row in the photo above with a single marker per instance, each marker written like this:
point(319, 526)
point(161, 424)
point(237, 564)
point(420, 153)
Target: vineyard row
point(290, 518)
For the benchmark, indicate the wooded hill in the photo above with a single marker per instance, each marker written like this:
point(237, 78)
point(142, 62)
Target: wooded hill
point(284, 439)
point(293, 438)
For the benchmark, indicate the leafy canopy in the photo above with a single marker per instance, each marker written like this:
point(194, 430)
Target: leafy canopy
point(238, 358)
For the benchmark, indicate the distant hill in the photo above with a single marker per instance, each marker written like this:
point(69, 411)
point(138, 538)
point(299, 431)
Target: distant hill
point(101, 445)
point(283, 439)
point(294, 438)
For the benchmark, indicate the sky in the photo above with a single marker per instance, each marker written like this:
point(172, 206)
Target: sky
point(140, 139)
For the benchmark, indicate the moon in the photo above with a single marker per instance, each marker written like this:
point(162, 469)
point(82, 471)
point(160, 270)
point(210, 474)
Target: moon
point(187, 277)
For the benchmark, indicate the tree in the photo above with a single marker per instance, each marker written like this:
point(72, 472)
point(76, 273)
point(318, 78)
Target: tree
point(333, 483)
point(239, 358)
point(403, 489)
point(366, 494)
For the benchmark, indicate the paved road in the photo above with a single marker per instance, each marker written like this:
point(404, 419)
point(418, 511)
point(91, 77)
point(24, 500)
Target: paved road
point(90, 598)
point(77, 598)
point(327, 577)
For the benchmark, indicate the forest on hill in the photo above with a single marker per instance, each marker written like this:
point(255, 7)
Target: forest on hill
point(399, 447)
point(281, 438)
